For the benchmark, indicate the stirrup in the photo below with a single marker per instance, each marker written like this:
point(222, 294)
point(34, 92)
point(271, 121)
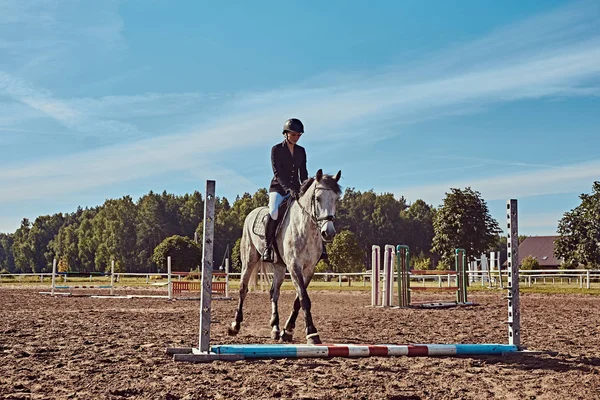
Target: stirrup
point(268, 255)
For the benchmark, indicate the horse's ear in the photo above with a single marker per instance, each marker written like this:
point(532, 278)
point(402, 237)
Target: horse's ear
point(319, 175)
point(338, 176)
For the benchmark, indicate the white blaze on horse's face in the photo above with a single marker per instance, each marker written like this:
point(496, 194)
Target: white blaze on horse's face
point(325, 206)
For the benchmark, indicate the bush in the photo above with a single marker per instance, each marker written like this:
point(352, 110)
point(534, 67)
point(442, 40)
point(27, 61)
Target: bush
point(422, 263)
point(185, 254)
point(4, 271)
point(530, 263)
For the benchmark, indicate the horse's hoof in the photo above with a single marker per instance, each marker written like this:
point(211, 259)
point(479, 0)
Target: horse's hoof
point(275, 335)
point(232, 330)
point(286, 337)
point(313, 339)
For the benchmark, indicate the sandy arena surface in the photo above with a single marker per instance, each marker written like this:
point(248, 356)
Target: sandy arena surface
point(84, 348)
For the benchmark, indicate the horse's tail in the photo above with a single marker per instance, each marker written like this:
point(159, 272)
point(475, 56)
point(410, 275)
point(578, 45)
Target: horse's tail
point(262, 276)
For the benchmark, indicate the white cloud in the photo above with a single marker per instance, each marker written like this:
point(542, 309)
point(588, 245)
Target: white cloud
point(59, 110)
point(563, 179)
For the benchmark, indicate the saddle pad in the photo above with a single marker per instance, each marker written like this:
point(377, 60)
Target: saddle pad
point(258, 227)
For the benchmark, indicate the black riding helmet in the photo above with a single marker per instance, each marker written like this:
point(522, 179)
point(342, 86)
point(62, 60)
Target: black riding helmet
point(294, 125)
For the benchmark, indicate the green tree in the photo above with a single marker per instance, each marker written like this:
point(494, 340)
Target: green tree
point(114, 230)
point(191, 213)
point(236, 262)
point(7, 261)
point(24, 256)
point(345, 254)
point(420, 224)
point(579, 230)
point(463, 221)
point(151, 226)
point(87, 242)
point(185, 254)
point(374, 219)
point(42, 232)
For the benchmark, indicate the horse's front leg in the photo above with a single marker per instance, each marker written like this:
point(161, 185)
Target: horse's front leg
point(278, 277)
point(312, 336)
point(290, 324)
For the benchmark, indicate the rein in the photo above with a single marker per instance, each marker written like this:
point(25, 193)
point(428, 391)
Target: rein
point(313, 216)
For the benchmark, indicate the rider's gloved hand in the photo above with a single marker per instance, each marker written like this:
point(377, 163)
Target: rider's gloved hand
point(293, 194)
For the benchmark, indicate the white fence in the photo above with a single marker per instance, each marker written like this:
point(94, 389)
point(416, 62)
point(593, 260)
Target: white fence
point(581, 277)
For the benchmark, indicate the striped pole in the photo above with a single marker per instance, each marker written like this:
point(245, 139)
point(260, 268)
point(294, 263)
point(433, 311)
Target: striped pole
point(512, 267)
point(357, 350)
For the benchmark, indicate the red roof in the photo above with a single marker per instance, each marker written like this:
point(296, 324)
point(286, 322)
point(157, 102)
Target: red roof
point(541, 248)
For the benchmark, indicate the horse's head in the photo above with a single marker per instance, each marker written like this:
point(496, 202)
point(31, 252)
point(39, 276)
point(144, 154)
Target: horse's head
point(324, 191)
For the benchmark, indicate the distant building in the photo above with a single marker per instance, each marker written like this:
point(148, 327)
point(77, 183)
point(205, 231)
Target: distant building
point(542, 249)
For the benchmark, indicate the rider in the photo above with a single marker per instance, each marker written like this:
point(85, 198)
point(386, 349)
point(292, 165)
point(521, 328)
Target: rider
point(288, 160)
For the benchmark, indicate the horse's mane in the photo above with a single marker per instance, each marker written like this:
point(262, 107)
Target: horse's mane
point(327, 181)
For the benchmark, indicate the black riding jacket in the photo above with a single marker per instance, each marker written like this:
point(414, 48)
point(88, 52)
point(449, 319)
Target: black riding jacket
point(289, 171)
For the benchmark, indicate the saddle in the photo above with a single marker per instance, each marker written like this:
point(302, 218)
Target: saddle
point(260, 222)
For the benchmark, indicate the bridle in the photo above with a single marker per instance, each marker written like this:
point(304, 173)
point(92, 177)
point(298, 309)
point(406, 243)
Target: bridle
point(313, 216)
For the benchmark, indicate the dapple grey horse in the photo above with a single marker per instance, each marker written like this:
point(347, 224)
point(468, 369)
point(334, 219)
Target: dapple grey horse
point(299, 241)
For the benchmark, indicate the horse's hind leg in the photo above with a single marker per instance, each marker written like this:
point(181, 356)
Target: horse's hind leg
point(250, 259)
point(278, 276)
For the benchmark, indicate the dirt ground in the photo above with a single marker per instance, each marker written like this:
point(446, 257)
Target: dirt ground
point(84, 348)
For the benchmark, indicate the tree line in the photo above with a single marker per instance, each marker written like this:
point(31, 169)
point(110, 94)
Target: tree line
point(130, 232)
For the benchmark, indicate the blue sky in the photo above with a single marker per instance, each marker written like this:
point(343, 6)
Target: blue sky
point(107, 98)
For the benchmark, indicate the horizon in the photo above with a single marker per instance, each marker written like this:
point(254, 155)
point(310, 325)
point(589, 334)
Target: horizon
point(103, 100)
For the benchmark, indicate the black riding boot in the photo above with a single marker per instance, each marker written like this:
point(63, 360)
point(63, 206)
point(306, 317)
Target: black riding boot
point(324, 255)
point(269, 239)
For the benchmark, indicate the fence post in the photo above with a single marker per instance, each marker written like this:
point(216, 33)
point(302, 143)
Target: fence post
point(112, 277)
point(588, 279)
point(169, 283)
point(53, 276)
point(227, 277)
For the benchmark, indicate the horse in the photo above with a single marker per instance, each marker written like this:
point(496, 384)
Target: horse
point(298, 247)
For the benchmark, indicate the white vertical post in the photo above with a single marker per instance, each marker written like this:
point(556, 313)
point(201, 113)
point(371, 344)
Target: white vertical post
point(375, 268)
point(386, 270)
point(588, 278)
point(388, 275)
point(512, 268)
point(53, 276)
point(169, 282)
point(207, 267)
point(112, 277)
